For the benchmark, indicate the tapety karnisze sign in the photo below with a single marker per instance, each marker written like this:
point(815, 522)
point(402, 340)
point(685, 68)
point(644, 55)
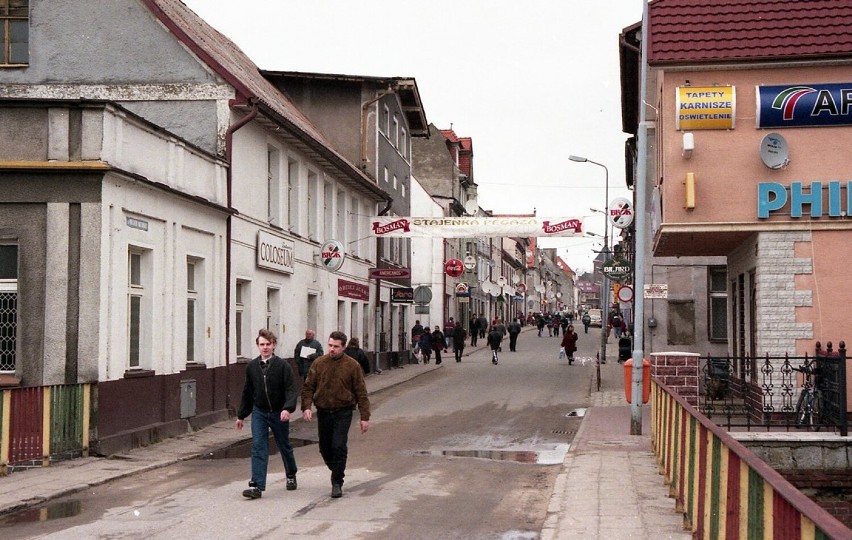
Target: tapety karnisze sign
point(800, 105)
point(800, 199)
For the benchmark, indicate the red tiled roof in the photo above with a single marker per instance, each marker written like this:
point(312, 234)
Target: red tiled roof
point(686, 31)
point(450, 135)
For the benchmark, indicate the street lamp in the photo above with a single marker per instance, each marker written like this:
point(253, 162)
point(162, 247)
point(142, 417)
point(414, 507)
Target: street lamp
point(604, 280)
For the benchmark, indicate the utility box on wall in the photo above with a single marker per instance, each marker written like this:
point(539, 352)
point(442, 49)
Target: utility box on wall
point(187, 399)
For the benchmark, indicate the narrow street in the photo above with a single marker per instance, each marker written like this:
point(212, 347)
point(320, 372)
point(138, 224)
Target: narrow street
point(470, 450)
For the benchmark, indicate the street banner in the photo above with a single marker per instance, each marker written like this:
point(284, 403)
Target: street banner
point(469, 227)
point(802, 105)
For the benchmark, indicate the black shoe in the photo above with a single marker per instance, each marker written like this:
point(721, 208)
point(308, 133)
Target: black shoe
point(252, 493)
point(336, 491)
point(291, 483)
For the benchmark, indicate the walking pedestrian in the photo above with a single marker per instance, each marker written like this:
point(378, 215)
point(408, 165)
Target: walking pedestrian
point(449, 329)
point(514, 330)
point(557, 323)
point(569, 342)
point(459, 337)
point(354, 351)
point(587, 320)
point(495, 336)
point(416, 331)
point(307, 350)
point(335, 384)
point(483, 325)
point(426, 346)
point(269, 395)
point(540, 324)
point(438, 343)
point(474, 330)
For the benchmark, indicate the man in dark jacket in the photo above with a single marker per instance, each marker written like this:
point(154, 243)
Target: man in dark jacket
point(514, 330)
point(269, 395)
point(335, 384)
point(304, 359)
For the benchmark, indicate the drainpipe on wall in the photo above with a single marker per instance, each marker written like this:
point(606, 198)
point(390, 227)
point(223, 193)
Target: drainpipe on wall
point(229, 135)
point(379, 254)
point(364, 107)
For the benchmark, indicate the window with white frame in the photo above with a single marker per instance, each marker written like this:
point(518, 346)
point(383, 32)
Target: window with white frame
point(194, 309)
point(241, 325)
point(718, 303)
point(273, 186)
point(354, 226)
point(395, 182)
point(293, 195)
point(138, 307)
point(313, 206)
point(8, 306)
point(394, 134)
point(15, 32)
point(272, 309)
point(328, 211)
point(385, 125)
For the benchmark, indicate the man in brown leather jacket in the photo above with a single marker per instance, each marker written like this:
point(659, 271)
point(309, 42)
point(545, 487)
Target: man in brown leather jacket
point(335, 384)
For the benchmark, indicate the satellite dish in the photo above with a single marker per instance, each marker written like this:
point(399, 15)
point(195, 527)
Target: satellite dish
point(774, 152)
point(471, 206)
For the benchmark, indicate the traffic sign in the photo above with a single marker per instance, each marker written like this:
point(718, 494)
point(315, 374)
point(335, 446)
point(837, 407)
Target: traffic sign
point(422, 294)
point(625, 294)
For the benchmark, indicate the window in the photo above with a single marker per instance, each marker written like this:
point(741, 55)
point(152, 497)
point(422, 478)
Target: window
point(136, 296)
point(394, 134)
point(238, 316)
point(313, 206)
point(354, 233)
point(272, 309)
point(8, 306)
point(293, 195)
point(273, 186)
point(15, 32)
point(403, 142)
point(328, 211)
point(385, 125)
point(386, 176)
point(191, 310)
point(718, 304)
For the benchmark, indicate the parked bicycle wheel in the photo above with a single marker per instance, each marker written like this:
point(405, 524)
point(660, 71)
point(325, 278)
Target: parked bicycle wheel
point(809, 410)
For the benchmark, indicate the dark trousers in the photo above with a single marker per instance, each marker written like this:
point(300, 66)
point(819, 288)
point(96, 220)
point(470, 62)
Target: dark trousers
point(474, 334)
point(261, 424)
point(437, 356)
point(333, 429)
point(513, 341)
point(458, 352)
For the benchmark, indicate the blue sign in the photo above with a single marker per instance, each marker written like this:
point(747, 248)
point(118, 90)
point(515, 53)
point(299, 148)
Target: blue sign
point(800, 105)
point(772, 197)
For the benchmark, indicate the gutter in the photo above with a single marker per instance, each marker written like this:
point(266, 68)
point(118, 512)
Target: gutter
point(229, 136)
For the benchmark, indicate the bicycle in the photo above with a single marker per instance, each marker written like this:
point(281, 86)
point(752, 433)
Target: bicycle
point(809, 406)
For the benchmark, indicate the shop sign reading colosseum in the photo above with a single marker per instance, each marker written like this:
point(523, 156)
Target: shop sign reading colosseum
point(275, 253)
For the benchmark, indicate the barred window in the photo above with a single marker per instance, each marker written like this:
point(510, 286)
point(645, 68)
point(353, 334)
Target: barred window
point(15, 32)
point(718, 304)
point(8, 306)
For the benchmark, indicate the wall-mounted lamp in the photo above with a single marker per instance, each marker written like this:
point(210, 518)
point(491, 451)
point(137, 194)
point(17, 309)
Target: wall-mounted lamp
point(688, 145)
point(689, 189)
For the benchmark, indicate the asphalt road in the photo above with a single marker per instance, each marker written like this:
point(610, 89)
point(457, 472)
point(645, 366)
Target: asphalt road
point(468, 451)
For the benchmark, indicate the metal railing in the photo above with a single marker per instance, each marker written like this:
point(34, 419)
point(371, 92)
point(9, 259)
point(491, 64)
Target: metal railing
point(721, 487)
point(768, 392)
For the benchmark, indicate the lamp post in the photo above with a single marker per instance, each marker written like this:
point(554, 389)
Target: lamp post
point(604, 280)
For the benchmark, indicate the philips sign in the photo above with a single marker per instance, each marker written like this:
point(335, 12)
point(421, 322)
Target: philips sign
point(772, 197)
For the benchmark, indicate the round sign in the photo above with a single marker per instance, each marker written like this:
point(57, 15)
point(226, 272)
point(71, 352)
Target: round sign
point(522, 288)
point(516, 279)
point(501, 281)
point(422, 294)
point(469, 262)
point(332, 255)
point(454, 268)
point(621, 212)
point(625, 294)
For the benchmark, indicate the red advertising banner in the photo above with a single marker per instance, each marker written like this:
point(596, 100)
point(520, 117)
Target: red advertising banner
point(350, 289)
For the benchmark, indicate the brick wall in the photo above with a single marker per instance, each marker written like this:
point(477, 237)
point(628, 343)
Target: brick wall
point(678, 371)
point(829, 488)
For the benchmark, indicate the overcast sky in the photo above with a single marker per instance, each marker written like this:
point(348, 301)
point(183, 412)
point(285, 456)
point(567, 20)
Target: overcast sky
point(530, 82)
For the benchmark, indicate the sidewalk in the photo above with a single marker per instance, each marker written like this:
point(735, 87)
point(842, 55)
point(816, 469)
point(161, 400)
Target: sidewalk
point(609, 487)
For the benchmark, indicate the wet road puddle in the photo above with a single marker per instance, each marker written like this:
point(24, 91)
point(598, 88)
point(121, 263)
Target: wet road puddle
point(576, 413)
point(43, 513)
point(243, 449)
point(554, 456)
